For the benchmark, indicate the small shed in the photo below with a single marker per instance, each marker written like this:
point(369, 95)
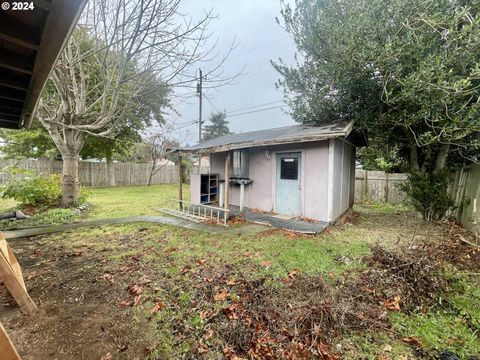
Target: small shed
point(301, 171)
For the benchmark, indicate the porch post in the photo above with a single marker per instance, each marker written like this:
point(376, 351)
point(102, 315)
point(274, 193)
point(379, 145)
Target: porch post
point(242, 195)
point(227, 180)
point(180, 181)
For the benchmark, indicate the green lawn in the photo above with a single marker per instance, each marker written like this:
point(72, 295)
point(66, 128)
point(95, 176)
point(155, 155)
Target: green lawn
point(187, 268)
point(105, 203)
point(133, 200)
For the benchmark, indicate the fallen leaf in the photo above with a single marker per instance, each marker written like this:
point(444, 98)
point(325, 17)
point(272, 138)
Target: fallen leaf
point(230, 354)
point(414, 341)
point(124, 304)
point(230, 282)
point(387, 348)
point(136, 300)
point(134, 289)
point(293, 274)
point(392, 304)
point(201, 261)
point(159, 305)
point(221, 296)
point(209, 280)
point(266, 264)
point(231, 311)
point(123, 348)
point(34, 254)
point(144, 280)
point(108, 277)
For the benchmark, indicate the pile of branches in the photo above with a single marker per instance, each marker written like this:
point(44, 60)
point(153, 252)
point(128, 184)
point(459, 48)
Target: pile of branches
point(413, 279)
point(294, 321)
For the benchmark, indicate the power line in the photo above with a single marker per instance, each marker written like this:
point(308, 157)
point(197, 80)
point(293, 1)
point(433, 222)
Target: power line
point(254, 111)
point(262, 46)
point(253, 107)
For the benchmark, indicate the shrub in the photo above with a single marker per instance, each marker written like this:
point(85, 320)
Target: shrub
point(33, 189)
point(429, 194)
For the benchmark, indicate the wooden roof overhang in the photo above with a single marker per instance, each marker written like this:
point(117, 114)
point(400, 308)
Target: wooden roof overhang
point(30, 43)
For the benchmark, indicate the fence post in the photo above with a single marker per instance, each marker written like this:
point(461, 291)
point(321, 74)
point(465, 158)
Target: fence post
point(365, 188)
point(386, 188)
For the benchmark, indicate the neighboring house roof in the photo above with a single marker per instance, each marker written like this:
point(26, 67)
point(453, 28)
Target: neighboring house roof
point(276, 136)
point(30, 42)
point(205, 162)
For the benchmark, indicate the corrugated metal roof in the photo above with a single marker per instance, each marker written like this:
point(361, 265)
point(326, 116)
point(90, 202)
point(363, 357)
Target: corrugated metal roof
point(281, 135)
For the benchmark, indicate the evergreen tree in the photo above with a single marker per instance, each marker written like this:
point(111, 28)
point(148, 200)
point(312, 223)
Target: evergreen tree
point(218, 126)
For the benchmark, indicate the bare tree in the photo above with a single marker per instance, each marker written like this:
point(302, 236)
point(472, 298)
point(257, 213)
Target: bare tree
point(100, 75)
point(156, 149)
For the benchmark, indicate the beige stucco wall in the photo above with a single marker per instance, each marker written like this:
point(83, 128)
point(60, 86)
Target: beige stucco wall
point(262, 169)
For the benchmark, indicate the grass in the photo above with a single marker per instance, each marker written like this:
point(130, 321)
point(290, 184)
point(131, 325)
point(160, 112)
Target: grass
point(440, 331)
point(105, 203)
point(132, 200)
point(167, 251)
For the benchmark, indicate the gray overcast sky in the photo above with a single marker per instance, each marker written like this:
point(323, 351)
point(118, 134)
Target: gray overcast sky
point(260, 40)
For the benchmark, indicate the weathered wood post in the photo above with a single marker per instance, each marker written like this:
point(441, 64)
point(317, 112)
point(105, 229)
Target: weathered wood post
point(7, 349)
point(365, 181)
point(386, 188)
point(227, 180)
point(180, 182)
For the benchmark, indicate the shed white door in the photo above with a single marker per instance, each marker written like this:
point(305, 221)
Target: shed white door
point(288, 190)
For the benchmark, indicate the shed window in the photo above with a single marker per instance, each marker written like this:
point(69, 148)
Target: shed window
point(289, 168)
point(240, 164)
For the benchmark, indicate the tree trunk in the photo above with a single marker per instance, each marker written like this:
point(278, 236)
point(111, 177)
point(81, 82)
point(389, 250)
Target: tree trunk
point(110, 172)
point(150, 176)
point(441, 159)
point(70, 185)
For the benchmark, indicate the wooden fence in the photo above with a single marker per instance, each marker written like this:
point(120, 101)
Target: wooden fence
point(464, 190)
point(379, 186)
point(94, 174)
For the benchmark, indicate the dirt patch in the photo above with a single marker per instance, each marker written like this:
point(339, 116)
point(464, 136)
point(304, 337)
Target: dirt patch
point(78, 315)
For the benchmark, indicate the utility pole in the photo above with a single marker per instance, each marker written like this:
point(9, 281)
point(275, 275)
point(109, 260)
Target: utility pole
point(200, 94)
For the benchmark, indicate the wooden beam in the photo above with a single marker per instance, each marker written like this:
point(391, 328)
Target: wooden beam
point(18, 28)
point(60, 23)
point(12, 94)
point(180, 182)
point(15, 68)
point(227, 180)
point(7, 350)
point(11, 276)
point(13, 86)
point(20, 42)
